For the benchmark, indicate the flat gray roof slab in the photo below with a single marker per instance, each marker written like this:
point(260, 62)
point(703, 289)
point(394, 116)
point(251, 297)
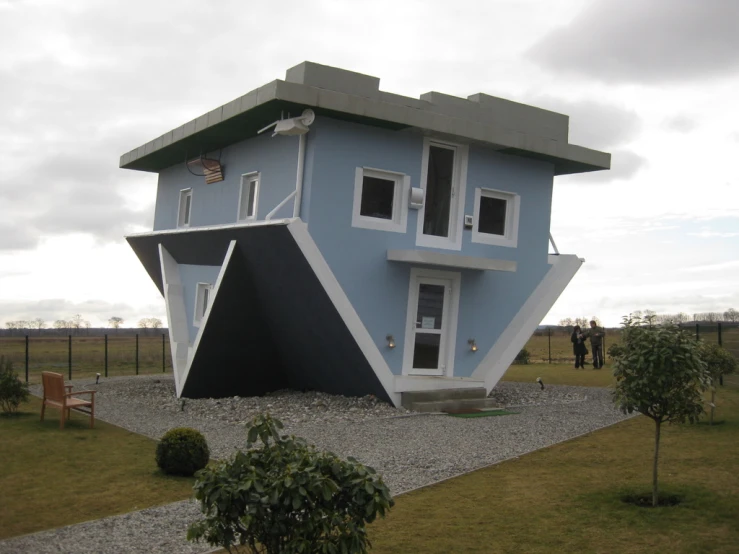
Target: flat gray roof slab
point(511, 127)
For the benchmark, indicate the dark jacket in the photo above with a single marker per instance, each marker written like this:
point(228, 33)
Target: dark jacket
point(596, 335)
point(578, 344)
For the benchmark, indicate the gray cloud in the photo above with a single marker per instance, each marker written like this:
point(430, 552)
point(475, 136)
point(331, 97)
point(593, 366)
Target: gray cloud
point(624, 165)
point(646, 41)
point(594, 124)
point(680, 124)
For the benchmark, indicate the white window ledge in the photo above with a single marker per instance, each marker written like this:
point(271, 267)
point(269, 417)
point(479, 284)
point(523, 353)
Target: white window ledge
point(428, 257)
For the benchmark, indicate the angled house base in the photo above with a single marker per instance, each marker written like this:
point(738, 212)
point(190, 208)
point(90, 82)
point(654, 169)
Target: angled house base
point(273, 320)
point(277, 318)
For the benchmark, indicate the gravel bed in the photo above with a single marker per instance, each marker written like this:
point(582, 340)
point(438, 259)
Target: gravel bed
point(409, 450)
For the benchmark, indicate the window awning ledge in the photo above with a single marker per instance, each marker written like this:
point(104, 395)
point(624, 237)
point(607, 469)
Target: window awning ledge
point(428, 257)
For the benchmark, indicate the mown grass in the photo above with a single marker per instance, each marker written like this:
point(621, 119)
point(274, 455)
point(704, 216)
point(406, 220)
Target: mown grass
point(50, 477)
point(560, 374)
point(567, 498)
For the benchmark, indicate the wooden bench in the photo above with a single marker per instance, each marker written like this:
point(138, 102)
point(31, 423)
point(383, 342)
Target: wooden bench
point(60, 396)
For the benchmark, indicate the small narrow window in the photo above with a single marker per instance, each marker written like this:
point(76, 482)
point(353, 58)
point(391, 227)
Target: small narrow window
point(248, 197)
point(202, 300)
point(380, 201)
point(183, 218)
point(496, 218)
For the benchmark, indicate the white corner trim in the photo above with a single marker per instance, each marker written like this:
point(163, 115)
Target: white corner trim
point(514, 337)
point(174, 301)
point(512, 216)
point(429, 257)
point(399, 221)
point(299, 230)
point(204, 320)
point(220, 227)
point(456, 215)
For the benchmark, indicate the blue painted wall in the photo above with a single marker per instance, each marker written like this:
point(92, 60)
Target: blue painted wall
point(276, 158)
point(190, 276)
point(378, 289)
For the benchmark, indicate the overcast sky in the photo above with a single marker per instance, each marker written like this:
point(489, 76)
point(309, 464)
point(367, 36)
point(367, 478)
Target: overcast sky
point(654, 82)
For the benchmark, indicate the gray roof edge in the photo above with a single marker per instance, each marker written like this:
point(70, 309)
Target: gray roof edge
point(542, 131)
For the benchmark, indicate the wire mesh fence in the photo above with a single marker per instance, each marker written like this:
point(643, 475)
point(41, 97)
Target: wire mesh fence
point(81, 356)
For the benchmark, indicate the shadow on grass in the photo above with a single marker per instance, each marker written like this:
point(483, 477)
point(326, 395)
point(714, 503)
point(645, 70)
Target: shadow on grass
point(100, 472)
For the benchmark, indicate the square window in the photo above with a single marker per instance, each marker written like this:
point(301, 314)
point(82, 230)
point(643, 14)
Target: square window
point(377, 197)
point(248, 197)
point(491, 218)
point(380, 200)
point(202, 300)
point(496, 217)
point(183, 217)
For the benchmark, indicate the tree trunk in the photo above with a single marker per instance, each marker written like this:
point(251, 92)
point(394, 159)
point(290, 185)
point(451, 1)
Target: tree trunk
point(713, 401)
point(655, 485)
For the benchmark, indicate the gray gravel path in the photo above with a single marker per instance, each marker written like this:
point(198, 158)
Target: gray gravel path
point(409, 450)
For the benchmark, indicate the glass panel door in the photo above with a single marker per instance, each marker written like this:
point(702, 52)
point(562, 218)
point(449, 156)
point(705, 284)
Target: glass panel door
point(429, 332)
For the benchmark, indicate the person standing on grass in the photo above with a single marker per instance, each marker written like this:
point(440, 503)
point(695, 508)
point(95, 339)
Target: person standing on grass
point(578, 347)
point(596, 335)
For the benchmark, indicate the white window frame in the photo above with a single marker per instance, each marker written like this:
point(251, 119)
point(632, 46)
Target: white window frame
point(399, 221)
point(451, 307)
point(459, 186)
point(198, 312)
point(512, 212)
point(246, 180)
point(184, 194)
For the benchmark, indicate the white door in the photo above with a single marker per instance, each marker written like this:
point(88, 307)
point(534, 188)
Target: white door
point(429, 324)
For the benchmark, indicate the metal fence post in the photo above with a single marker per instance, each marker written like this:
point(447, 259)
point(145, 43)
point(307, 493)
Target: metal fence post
point(26, 358)
point(137, 353)
point(164, 362)
point(106, 354)
point(70, 357)
point(549, 332)
point(720, 343)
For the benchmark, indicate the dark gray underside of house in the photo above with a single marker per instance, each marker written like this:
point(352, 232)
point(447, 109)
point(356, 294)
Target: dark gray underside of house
point(271, 324)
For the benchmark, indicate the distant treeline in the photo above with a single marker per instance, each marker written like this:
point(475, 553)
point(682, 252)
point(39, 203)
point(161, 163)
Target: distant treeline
point(77, 325)
point(84, 332)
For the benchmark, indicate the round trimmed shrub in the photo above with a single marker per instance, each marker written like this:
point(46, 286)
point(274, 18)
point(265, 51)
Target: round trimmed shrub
point(182, 451)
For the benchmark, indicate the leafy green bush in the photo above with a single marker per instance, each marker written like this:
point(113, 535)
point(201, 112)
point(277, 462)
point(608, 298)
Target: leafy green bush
point(523, 357)
point(284, 496)
point(13, 391)
point(182, 451)
point(720, 362)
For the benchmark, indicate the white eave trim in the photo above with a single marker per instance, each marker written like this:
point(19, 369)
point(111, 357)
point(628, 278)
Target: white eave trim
point(238, 225)
point(428, 257)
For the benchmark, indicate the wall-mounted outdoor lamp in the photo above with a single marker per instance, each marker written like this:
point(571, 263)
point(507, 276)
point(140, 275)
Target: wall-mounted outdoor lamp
point(390, 341)
point(473, 345)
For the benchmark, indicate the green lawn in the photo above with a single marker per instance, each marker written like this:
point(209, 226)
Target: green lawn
point(560, 374)
point(566, 498)
point(51, 478)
